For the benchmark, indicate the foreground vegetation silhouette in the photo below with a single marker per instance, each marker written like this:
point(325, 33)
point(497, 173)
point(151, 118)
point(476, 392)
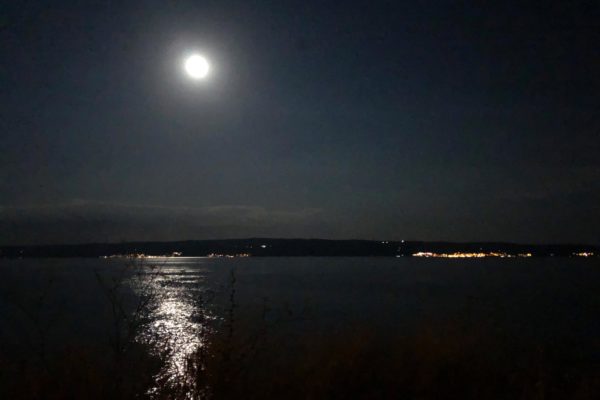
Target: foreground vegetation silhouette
point(244, 354)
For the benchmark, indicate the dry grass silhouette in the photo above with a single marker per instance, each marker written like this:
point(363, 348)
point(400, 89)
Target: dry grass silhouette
point(246, 356)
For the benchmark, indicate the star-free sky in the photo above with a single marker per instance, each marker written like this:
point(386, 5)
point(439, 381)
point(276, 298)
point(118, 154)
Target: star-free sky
point(432, 120)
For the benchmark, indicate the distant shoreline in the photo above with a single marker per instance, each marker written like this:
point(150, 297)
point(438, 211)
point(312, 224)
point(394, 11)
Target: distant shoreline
point(268, 247)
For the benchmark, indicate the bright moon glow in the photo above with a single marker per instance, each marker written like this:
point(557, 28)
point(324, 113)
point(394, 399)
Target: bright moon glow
point(197, 67)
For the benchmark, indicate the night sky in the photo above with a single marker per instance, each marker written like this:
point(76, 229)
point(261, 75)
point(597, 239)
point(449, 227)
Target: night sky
point(391, 120)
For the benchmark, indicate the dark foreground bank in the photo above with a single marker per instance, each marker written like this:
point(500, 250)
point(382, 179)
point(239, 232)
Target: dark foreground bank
point(437, 362)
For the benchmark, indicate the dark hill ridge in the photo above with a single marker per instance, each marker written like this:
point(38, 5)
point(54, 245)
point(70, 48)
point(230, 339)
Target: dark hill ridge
point(264, 247)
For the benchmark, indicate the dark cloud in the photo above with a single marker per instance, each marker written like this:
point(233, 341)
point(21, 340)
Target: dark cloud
point(82, 221)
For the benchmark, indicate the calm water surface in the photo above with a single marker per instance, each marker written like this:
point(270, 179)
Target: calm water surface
point(552, 300)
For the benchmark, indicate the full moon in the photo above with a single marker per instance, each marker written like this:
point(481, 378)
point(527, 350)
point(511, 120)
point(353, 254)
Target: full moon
point(196, 66)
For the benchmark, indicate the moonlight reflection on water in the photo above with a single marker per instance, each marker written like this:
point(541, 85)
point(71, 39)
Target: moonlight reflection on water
point(178, 318)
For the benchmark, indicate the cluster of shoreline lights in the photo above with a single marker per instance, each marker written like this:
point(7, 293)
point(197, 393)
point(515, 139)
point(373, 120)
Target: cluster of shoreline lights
point(175, 254)
point(219, 255)
point(584, 254)
point(142, 255)
point(428, 254)
point(468, 255)
point(425, 254)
